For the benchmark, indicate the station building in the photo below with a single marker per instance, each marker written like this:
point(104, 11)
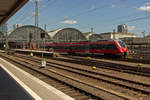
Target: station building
point(2, 38)
point(25, 33)
point(138, 44)
point(1, 35)
point(116, 35)
point(122, 28)
point(66, 35)
point(28, 33)
point(3, 29)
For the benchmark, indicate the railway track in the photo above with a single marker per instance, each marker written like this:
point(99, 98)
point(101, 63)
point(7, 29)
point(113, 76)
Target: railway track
point(104, 65)
point(132, 88)
point(56, 81)
point(94, 91)
point(134, 59)
point(131, 58)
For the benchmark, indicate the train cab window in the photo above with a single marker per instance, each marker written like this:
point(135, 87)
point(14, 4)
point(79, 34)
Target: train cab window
point(73, 47)
point(122, 44)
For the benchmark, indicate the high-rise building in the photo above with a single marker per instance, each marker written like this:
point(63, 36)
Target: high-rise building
point(3, 29)
point(122, 28)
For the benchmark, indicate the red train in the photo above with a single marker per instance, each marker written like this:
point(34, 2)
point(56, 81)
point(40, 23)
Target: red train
point(103, 47)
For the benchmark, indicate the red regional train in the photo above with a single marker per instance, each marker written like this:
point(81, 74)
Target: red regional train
point(102, 47)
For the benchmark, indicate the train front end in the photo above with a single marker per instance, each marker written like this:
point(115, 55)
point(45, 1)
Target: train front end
point(122, 48)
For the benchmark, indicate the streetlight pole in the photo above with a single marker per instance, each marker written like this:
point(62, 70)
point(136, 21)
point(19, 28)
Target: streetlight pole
point(36, 23)
point(143, 33)
point(43, 60)
point(113, 34)
point(6, 39)
point(45, 27)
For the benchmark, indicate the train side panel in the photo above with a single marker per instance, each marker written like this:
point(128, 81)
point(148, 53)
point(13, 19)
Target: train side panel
point(94, 48)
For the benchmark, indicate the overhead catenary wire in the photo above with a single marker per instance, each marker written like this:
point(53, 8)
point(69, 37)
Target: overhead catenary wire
point(94, 9)
point(44, 8)
point(22, 15)
point(27, 14)
point(139, 18)
point(41, 8)
point(88, 11)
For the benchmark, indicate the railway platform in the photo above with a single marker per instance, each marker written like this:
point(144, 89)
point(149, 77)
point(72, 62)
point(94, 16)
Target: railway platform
point(16, 84)
point(34, 52)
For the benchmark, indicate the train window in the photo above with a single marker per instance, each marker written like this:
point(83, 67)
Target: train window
point(66, 47)
point(97, 46)
point(92, 46)
point(78, 47)
point(73, 48)
point(56, 47)
point(103, 46)
point(111, 47)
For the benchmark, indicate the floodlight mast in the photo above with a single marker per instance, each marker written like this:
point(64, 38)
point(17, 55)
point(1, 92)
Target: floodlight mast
point(36, 23)
point(6, 39)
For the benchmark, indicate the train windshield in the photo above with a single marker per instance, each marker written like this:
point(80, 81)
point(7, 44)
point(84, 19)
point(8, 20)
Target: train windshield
point(122, 44)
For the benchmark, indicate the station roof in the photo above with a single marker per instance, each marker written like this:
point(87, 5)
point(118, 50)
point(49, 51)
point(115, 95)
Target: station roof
point(9, 8)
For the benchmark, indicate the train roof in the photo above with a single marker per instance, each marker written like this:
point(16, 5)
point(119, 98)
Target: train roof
point(83, 42)
point(88, 41)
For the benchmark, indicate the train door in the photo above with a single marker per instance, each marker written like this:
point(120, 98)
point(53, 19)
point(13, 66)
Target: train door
point(87, 46)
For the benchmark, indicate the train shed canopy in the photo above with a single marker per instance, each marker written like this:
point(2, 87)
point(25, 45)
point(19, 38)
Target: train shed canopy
point(95, 37)
point(91, 36)
point(67, 35)
point(27, 32)
point(87, 34)
point(9, 8)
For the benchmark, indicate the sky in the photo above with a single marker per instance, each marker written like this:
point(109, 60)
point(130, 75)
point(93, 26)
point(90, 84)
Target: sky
point(101, 15)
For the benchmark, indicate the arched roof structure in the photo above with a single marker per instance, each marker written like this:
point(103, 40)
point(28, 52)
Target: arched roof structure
point(87, 34)
point(95, 37)
point(27, 32)
point(67, 35)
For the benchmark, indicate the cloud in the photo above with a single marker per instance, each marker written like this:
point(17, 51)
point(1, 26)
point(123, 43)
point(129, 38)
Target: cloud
point(69, 22)
point(130, 28)
point(66, 16)
point(144, 8)
point(113, 6)
point(148, 3)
